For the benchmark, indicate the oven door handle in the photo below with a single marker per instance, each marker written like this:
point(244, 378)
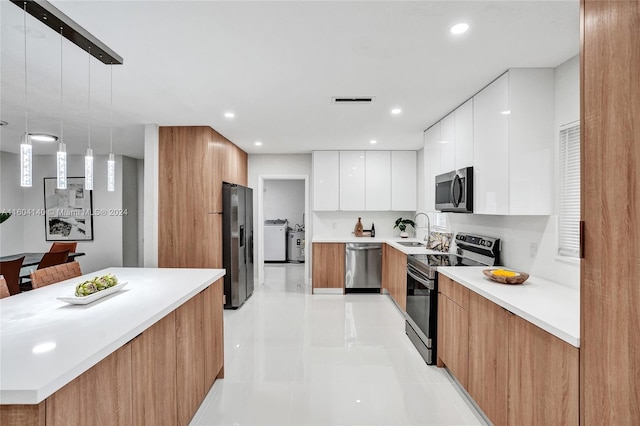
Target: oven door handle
point(424, 281)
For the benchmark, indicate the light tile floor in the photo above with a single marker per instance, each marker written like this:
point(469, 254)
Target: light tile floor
point(292, 358)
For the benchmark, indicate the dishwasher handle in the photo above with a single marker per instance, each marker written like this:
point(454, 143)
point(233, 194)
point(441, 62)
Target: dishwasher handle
point(363, 247)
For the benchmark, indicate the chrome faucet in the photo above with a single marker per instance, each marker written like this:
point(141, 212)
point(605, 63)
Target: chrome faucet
point(426, 237)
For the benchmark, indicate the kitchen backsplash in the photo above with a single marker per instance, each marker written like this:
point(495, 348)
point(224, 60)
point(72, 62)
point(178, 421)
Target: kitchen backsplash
point(341, 224)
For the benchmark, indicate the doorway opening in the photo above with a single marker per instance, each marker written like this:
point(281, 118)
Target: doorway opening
point(283, 221)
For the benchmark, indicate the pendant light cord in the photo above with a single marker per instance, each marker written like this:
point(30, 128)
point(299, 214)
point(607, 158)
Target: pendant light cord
point(26, 104)
point(111, 114)
point(61, 92)
point(89, 101)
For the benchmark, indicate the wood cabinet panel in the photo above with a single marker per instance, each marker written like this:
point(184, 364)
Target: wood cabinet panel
point(454, 291)
point(328, 265)
point(153, 361)
point(213, 332)
point(488, 357)
point(453, 338)
point(193, 160)
point(190, 360)
point(396, 262)
point(610, 194)
point(100, 396)
point(23, 415)
point(543, 377)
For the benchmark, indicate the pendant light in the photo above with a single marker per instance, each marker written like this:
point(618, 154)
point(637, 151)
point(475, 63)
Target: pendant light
point(111, 162)
point(88, 158)
point(61, 156)
point(26, 157)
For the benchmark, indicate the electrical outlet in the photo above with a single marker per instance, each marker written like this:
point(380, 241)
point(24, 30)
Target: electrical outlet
point(333, 225)
point(533, 249)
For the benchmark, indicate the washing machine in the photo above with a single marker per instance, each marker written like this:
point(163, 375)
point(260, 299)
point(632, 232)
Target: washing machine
point(275, 240)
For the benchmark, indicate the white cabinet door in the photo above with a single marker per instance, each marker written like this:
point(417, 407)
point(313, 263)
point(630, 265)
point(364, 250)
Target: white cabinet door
point(491, 148)
point(403, 180)
point(531, 140)
point(326, 180)
point(447, 144)
point(352, 180)
point(464, 135)
point(378, 181)
point(431, 164)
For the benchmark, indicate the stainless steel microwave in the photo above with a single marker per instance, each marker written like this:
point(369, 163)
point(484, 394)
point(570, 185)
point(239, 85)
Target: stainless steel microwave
point(454, 191)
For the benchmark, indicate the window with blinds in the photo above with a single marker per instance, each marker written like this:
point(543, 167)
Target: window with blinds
point(569, 212)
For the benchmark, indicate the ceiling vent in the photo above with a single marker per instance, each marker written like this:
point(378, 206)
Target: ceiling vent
point(353, 100)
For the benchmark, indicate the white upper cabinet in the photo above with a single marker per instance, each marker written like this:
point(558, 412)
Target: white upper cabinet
point(513, 142)
point(352, 180)
point(431, 164)
point(326, 180)
point(463, 118)
point(378, 181)
point(403, 180)
point(447, 144)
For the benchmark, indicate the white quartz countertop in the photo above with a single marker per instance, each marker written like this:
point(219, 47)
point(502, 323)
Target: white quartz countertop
point(46, 343)
point(551, 306)
point(392, 241)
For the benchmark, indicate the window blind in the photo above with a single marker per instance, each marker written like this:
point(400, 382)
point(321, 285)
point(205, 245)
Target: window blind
point(569, 212)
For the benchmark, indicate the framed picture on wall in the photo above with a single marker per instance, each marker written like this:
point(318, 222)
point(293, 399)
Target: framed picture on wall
point(68, 212)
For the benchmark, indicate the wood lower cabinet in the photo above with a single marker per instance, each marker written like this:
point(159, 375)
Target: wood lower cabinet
point(23, 415)
point(213, 330)
point(328, 265)
point(488, 357)
point(516, 372)
point(394, 275)
point(543, 377)
point(100, 396)
point(190, 359)
point(453, 329)
point(153, 370)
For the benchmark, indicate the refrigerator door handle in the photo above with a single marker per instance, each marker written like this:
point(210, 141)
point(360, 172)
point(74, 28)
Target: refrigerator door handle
point(241, 235)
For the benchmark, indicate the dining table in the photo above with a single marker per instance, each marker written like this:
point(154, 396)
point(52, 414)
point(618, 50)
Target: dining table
point(33, 259)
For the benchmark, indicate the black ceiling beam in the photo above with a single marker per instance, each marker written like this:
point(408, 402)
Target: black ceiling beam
point(53, 18)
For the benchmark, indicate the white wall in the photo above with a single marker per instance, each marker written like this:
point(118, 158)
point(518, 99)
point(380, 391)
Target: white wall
point(342, 224)
point(284, 199)
point(27, 234)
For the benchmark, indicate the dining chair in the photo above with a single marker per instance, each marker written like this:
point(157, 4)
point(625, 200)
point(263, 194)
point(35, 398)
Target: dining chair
point(58, 246)
point(11, 271)
point(4, 290)
point(54, 274)
point(49, 259)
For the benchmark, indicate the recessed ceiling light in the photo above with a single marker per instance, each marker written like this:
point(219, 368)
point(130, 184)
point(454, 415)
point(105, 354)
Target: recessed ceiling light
point(396, 111)
point(507, 112)
point(444, 141)
point(459, 28)
point(229, 115)
point(258, 143)
point(43, 137)
point(373, 141)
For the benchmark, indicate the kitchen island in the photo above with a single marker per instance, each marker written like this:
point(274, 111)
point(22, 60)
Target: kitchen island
point(146, 354)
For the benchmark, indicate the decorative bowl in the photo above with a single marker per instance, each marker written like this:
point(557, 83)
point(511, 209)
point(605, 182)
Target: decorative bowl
point(518, 278)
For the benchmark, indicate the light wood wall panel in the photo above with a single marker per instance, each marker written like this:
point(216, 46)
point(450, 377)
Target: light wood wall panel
point(610, 270)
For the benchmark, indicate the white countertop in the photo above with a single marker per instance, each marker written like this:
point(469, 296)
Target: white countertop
point(551, 306)
point(392, 241)
point(83, 335)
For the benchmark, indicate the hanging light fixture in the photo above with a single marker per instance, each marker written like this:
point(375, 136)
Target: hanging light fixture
point(111, 162)
point(88, 158)
point(61, 156)
point(26, 157)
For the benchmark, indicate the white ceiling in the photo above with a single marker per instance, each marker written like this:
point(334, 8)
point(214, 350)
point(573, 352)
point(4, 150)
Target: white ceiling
point(276, 65)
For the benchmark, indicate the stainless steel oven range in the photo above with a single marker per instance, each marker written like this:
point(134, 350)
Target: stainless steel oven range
point(422, 286)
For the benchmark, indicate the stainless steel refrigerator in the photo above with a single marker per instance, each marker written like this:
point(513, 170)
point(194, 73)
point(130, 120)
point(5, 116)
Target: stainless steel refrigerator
point(237, 240)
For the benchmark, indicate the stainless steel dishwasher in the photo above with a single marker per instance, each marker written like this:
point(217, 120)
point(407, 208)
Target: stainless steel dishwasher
point(363, 267)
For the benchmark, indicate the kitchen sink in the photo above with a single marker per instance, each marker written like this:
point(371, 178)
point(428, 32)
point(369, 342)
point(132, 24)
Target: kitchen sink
point(410, 243)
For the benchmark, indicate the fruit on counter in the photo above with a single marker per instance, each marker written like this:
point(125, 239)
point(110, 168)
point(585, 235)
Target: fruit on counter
point(95, 285)
point(504, 273)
